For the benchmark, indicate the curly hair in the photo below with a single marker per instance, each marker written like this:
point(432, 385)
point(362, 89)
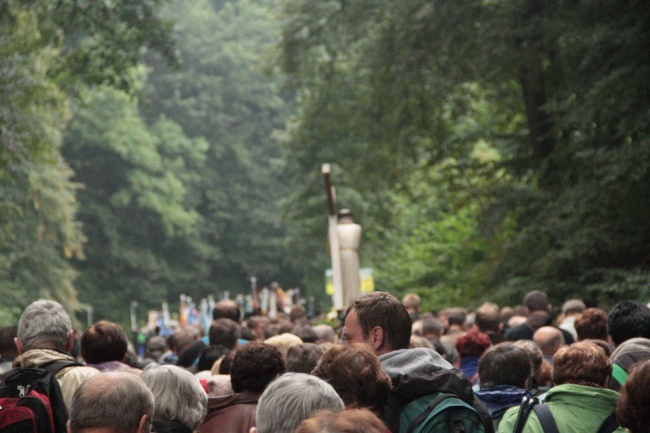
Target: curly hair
point(254, 366)
point(582, 363)
point(355, 373)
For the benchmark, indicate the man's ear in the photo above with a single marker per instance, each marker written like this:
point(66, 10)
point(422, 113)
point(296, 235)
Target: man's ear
point(145, 425)
point(253, 430)
point(377, 337)
point(19, 345)
point(67, 425)
point(70, 343)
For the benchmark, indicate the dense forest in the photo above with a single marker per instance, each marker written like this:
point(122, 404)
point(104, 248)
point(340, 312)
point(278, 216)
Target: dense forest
point(155, 148)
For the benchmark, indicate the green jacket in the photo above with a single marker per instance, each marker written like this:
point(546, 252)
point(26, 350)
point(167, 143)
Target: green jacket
point(576, 409)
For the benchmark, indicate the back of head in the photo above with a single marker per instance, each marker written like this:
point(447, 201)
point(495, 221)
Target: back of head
point(628, 319)
point(224, 332)
point(504, 364)
point(591, 324)
point(411, 301)
point(305, 332)
point(292, 398)
point(156, 346)
point(178, 395)
point(573, 306)
point(348, 421)
point(488, 318)
point(304, 357)
point(104, 341)
point(226, 310)
point(44, 323)
point(7, 345)
point(582, 363)
point(325, 333)
point(534, 352)
point(356, 374)
point(634, 400)
point(298, 315)
point(431, 326)
point(386, 311)
point(115, 401)
point(536, 301)
point(254, 366)
point(283, 342)
point(456, 316)
point(549, 339)
point(474, 343)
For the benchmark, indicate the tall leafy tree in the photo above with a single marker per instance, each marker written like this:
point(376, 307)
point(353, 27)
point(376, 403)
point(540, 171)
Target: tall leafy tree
point(48, 51)
point(389, 88)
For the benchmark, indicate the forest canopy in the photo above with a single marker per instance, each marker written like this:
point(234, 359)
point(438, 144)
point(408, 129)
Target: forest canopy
point(150, 149)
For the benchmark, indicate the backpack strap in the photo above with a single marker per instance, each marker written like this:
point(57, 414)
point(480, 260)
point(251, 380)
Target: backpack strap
point(53, 367)
point(609, 425)
point(619, 374)
point(425, 413)
point(526, 406)
point(546, 418)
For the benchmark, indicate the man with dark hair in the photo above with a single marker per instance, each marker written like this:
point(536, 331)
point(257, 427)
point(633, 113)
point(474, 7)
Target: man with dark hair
point(488, 321)
point(504, 372)
point(254, 366)
point(379, 320)
point(224, 332)
point(304, 357)
point(112, 402)
point(628, 319)
point(227, 310)
point(538, 312)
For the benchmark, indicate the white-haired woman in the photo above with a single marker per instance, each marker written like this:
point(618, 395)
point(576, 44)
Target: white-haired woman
point(180, 401)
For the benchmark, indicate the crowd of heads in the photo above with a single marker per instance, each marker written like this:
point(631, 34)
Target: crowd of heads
point(306, 377)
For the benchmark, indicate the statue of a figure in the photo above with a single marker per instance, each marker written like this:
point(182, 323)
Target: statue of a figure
point(349, 242)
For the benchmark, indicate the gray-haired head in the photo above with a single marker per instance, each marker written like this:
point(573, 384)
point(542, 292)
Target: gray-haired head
point(178, 394)
point(44, 324)
point(116, 401)
point(290, 399)
point(325, 333)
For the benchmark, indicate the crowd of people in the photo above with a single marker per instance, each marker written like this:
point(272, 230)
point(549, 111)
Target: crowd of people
point(291, 375)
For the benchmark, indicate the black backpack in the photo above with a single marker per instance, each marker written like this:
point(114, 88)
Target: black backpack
point(548, 422)
point(31, 400)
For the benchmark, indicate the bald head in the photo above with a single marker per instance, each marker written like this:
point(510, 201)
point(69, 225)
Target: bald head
point(226, 310)
point(112, 402)
point(549, 339)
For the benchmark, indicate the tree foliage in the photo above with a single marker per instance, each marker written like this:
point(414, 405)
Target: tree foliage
point(557, 90)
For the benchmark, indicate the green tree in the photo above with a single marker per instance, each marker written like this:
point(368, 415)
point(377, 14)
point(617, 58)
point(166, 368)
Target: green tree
point(389, 88)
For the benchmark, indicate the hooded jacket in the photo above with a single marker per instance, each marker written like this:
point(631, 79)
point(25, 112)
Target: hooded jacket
point(418, 372)
point(575, 408)
point(233, 413)
point(500, 398)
